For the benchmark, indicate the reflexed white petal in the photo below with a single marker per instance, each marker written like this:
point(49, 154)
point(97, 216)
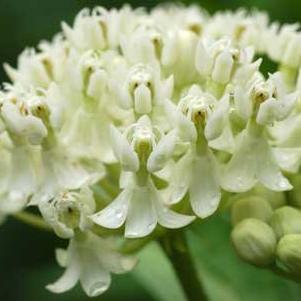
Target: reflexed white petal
point(116, 262)
point(204, 188)
point(123, 151)
point(94, 278)
point(269, 173)
point(168, 218)
point(142, 218)
point(180, 179)
point(68, 280)
point(289, 159)
point(239, 174)
point(114, 215)
point(162, 152)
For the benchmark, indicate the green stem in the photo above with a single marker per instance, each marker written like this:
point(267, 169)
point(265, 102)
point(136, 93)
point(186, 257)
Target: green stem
point(176, 249)
point(32, 220)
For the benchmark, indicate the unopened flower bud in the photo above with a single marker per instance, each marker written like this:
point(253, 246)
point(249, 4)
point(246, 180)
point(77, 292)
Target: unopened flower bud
point(289, 252)
point(286, 220)
point(254, 241)
point(251, 207)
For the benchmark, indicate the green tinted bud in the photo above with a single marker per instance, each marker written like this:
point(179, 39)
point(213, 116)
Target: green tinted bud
point(286, 220)
point(289, 252)
point(251, 207)
point(254, 241)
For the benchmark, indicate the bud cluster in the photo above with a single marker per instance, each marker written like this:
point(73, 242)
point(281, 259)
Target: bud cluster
point(267, 233)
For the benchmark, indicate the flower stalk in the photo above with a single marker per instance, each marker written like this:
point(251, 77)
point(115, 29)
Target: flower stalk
point(176, 249)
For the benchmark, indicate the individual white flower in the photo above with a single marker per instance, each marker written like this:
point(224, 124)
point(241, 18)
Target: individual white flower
point(198, 118)
point(218, 60)
point(264, 103)
point(19, 146)
point(144, 92)
point(19, 177)
point(141, 151)
point(88, 31)
point(86, 135)
point(284, 45)
point(40, 68)
point(59, 170)
point(244, 28)
point(90, 260)
point(172, 17)
point(144, 45)
point(177, 58)
point(68, 211)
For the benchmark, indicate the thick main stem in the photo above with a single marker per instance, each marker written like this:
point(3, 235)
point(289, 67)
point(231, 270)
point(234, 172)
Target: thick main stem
point(176, 249)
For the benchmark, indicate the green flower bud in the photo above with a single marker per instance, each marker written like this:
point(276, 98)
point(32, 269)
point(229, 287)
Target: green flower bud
point(289, 252)
point(254, 241)
point(286, 220)
point(251, 207)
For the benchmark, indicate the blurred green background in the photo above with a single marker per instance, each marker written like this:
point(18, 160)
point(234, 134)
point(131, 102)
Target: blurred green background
point(26, 255)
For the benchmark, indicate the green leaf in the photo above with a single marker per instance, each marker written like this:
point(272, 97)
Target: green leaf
point(156, 274)
point(225, 276)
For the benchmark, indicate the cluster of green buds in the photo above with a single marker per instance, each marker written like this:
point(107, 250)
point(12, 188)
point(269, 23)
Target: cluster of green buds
point(267, 230)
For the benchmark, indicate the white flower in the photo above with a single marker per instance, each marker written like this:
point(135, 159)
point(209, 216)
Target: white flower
point(284, 44)
point(90, 260)
point(145, 91)
point(218, 60)
point(198, 116)
point(68, 211)
point(253, 160)
point(140, 205)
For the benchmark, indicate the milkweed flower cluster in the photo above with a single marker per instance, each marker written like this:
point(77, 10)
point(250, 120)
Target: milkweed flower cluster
point(135, 120)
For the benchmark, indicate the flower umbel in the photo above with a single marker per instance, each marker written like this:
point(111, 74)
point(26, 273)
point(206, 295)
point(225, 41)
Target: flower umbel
point(130, 124)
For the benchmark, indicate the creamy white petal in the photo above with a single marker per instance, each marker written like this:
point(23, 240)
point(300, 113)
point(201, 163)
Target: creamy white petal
point(204, 188)
point(114, 215)
point(169, 218)
point(288, 159)
point(94, 278)
point(142, 218)
point(239, 174)
point(180, 179)
point(68, 280)
point(269, 173)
